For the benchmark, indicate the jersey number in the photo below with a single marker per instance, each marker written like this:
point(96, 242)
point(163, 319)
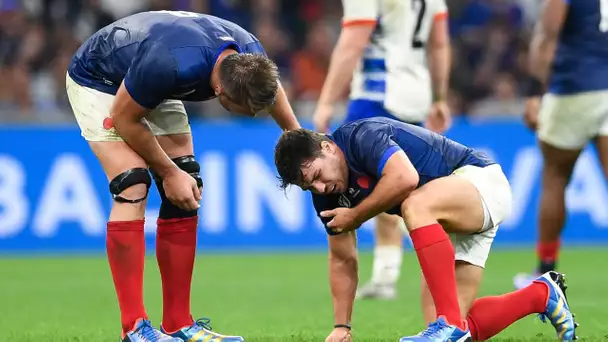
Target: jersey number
point(603, 26)
point(420, 6)
point(182, 14)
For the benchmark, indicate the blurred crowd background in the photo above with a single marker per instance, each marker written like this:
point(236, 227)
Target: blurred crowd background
point(489, 38)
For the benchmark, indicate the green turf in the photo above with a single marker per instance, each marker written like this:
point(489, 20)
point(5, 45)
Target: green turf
point(271, 297)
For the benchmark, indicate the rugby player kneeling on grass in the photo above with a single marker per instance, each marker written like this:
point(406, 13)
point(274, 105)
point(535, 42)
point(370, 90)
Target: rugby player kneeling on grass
point(452, 199)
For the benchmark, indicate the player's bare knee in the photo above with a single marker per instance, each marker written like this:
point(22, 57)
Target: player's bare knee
point(131, 186)
point(558, 164)
point(137, 191)
point(555, 177)
point(558, 170)
point(415, 208)
point(169, 210)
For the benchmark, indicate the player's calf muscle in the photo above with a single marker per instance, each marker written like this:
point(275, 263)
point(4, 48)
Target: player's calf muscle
point(133, 192)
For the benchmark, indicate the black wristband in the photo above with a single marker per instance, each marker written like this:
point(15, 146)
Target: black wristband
point(347, 326)
point(533, 87)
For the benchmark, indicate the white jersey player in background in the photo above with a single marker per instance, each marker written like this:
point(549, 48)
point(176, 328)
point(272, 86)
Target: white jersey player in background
point(397, 53)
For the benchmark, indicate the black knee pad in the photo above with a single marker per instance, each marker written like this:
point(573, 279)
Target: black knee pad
point(127, 179)
point(167, 209)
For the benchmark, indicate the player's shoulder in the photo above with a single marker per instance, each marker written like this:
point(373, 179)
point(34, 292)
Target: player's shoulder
point(364, 125)
point(222, 31)
point(356, 134)
point(583, 17)
point(583, 9)
point(345, 132)
point(180, 29)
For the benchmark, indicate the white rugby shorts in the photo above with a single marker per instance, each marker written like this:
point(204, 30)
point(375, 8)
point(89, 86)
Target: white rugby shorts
point(569, 122)
point(92, 111)
point(496, 198)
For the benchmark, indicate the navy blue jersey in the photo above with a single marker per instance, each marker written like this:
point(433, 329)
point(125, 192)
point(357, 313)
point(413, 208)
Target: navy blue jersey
point(159, 55)
point(367, 145)
point(581, 59)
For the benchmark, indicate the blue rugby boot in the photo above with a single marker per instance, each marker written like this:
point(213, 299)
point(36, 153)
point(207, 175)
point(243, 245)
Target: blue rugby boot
point(440, 331)
point(143, 331)
point(200, 331)
point(557, 311)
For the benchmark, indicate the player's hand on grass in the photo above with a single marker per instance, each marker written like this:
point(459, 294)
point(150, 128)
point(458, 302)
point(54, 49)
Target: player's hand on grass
point(181, 189)
point(531, 112)
point(322, 117)
point(343, 219)
point(339, 335)
point(439, 119)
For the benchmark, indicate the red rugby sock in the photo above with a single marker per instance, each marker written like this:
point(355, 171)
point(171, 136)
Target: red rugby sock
point(436, 257)
point(491, 315)
point(547, 252)
point(126, 250)
point(175, 252)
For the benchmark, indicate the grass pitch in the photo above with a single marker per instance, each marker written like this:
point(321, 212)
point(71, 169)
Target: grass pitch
point(267, 297)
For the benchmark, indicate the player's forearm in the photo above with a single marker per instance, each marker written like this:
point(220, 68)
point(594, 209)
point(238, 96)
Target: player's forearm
point(137, 135)
point(343, 278)
point(343, 63)
point(542, 51)
point(390, 191)
point(439, 68)
point(343, 281)
point(282, 112)
point(544, 43)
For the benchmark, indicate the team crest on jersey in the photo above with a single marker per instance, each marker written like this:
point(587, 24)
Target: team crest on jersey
point(363, 182)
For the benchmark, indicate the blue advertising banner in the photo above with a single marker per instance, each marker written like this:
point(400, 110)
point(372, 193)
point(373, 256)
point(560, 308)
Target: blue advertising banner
point(54, 195)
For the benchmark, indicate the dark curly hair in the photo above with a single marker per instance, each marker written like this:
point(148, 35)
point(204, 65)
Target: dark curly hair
point(293, 150)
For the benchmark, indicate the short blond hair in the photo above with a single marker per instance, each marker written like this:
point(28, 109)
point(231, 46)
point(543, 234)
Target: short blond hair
point(250, 79)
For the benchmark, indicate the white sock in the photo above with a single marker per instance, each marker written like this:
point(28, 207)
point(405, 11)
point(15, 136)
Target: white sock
point(387, 265)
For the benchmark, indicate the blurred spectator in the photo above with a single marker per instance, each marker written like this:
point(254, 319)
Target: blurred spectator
point(20, 44)
point(310, 64)
point(477, 14)
point(274, 40)
point(503, 100)
point(38, 37)
point(455, 102)
point(92, 18)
